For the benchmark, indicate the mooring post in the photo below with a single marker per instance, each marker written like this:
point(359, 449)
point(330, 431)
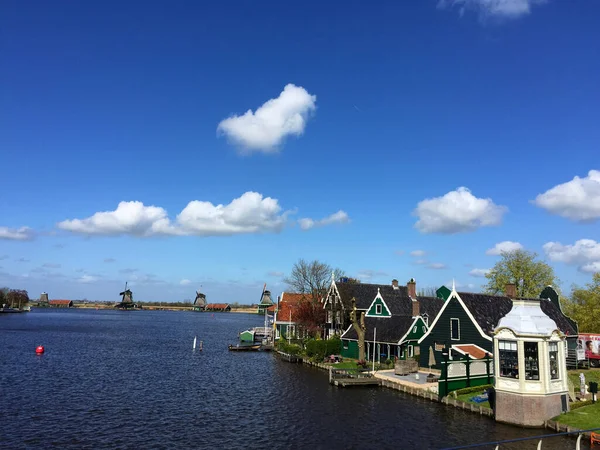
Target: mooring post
point(330, 374)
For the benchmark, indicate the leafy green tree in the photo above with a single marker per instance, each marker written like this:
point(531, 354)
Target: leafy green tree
point(522, 268)
point(584, 306)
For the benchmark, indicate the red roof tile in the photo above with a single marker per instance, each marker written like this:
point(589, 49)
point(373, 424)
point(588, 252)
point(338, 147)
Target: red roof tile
point(60, 302)
point(288, 304)
point(473, 351)
point(217, 305)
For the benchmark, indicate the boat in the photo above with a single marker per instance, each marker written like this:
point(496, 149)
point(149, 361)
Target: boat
point(244, 348)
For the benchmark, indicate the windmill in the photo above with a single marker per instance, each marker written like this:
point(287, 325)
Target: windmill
point(265, 300)
point(127, 295)
point(200, 301)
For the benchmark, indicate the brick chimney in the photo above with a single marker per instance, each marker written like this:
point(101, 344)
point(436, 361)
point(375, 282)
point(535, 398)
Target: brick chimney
point(395, 284)
point(510, 290)
point(412, 288)
point(416, 310)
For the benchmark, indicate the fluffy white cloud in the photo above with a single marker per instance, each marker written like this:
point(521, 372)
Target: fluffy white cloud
point(16, 234)
point(500, 8)
point(578, 199)
point(479, 272)
point(86, 279)
point(418, 253)
point(584, 253)
point(185, 282)
point(250, 213)
point(504, 247)
point(458, 211)
point(437, 266)
point(368, 274)
point(265, 129)
point(338, 217)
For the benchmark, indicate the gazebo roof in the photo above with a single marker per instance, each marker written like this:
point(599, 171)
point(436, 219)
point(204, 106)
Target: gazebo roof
point(527, 318)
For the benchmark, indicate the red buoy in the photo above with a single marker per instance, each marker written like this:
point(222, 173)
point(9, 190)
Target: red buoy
point(39, 349)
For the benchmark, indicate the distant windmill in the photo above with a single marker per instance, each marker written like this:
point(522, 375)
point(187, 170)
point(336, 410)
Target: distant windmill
point(127, 295)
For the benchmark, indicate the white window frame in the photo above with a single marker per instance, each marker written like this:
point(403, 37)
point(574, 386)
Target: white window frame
point(458, 321)
point(378, 308)
point(425, 318)
point(411, 351)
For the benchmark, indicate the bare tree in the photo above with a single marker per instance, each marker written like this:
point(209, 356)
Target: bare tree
point(310, 278)
point(427, 292)
point(360, 328)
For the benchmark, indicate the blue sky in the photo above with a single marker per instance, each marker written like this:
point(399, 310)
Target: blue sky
point(354, 135)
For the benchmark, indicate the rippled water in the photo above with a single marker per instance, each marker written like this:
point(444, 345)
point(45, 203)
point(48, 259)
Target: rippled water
point(113, 379)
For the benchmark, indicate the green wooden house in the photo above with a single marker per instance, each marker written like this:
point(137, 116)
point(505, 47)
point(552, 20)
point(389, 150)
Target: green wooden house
point(466, 323)
point(395, 319)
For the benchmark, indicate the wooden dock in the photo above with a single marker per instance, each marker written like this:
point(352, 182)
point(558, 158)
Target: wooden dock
point(289, 358)
point(352, 377)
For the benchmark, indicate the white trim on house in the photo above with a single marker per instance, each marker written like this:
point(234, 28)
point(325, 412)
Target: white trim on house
point(347, 329)
point(458, 321)
point(384, 303)
point(414, 322)
point(446, 303)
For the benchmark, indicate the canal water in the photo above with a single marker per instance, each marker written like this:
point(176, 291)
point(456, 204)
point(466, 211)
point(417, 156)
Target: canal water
point(131, 380)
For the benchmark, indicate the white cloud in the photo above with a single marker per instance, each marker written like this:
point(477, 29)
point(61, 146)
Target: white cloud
point(458, 211)
point(265, 129)
point(418, 253)
point(338, 217)
point(591, 267)
point(479, 272)
point(500, 8)
point(276, 274)
point(420, 261)
point(437, 266)
point(85, 279)
point(185, 282)
point(504, 247)
point(250, 213)
point(578, 199)
point(368, 274)
point(584, 253)
point(16, 234)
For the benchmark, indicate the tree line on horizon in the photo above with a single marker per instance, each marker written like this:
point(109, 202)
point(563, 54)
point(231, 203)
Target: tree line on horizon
point(520, 267)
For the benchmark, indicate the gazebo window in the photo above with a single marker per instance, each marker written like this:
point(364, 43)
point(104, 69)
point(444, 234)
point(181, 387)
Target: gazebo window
point(532, 370)
point(509, 362)
point(553, 354)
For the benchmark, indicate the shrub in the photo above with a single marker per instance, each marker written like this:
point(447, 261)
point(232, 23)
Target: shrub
point(469, 390)
point(580, 404)
point(362, 363)
point(334, 346)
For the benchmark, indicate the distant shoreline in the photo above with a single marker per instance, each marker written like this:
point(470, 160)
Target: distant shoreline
point(162, 308)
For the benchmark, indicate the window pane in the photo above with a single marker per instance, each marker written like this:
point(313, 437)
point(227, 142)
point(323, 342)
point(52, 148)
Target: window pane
point(454, 329)
point(509, 362)
point(532, 370)
point(553, 357)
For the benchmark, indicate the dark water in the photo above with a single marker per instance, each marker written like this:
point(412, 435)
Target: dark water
point(112, 379)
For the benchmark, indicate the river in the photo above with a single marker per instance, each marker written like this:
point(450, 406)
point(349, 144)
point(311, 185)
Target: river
point(131, 380)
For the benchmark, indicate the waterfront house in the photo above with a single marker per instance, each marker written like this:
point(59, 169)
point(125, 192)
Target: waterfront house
point(218, 307)
point(466, 322)
point(285, 313)
point(395, 319)
point(61, 303)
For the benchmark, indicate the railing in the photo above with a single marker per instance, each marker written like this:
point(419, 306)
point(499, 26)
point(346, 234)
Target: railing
point(348, 373)
point(530, 438)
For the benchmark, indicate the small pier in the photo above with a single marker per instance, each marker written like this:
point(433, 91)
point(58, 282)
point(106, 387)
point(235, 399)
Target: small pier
point(289, 358)
point(352, 377)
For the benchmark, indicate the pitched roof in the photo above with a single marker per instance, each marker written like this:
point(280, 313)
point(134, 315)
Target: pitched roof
point(217, 305)
point(388, 330)
point(60, 302)
point(489, 309)
point(289, 304)
point(397, 300)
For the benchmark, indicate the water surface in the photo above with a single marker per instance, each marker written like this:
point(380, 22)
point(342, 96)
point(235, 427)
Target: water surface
point(130, 380)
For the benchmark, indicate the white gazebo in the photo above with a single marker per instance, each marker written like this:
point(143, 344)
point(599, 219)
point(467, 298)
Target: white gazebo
point(530, 370)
